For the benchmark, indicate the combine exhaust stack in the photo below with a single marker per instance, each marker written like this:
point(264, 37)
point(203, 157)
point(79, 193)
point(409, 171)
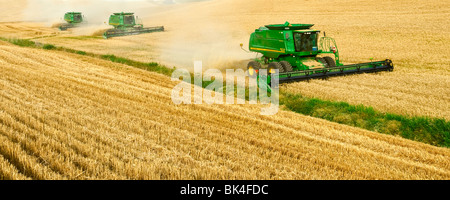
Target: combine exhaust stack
point(297, 52)
point(125, 24)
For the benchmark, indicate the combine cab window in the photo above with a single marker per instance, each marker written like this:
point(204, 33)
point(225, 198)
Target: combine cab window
point(128, 20)
point(305, 41)
point(77, 18)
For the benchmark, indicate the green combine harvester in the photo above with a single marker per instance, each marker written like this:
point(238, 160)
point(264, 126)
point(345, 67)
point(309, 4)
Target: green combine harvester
point(125, 24)
point(299, 54)
point(73, 19)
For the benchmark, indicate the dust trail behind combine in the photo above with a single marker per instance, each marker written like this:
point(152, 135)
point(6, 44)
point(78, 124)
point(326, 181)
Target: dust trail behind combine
point(197, 31)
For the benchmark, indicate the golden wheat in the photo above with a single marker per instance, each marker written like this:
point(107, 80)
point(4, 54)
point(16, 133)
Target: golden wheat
point(406, 93)
point(65, 116)
point(411, 33)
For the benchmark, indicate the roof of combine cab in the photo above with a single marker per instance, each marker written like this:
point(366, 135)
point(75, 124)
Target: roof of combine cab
point(289, 26)
point(122, 13)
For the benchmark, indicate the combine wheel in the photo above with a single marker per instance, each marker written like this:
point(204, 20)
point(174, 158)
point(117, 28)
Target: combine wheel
point(286, 66)
point(253, 68)
point(275, 65)
point(330, 61)
point(322, 60)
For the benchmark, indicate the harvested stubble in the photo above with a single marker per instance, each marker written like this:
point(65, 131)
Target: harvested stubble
point(67, 116)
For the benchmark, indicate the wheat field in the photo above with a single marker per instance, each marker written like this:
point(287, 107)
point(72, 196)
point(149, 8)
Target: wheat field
point(67, 116)
point(411, 33)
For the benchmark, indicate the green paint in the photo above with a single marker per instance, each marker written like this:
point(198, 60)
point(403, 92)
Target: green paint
point(125, 24)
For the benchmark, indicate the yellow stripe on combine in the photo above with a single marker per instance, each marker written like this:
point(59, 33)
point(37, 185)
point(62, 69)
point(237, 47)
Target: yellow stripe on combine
point(260, 49)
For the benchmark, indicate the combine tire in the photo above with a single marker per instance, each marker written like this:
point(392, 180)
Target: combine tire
point(286, 66)
point(322, 60)
point(252, 68)
point(273, 66)
point(331, 63)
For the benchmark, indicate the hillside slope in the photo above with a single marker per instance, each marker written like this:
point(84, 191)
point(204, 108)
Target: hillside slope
point(66, 116)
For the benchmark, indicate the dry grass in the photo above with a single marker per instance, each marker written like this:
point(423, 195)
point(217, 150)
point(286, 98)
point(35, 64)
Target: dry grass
point(66, 116)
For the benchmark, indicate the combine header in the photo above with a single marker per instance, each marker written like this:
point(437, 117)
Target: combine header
point(298, 53)
point(73, 19)
point(125, 24)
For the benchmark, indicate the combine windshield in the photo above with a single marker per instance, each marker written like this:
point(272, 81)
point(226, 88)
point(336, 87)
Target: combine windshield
point(305, 41)
point(129, 19)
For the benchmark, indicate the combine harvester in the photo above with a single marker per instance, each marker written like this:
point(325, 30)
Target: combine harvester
point(125, 24)
point(73, 19)
point(298, 54)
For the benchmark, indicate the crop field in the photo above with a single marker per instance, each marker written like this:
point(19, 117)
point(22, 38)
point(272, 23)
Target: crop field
point(65, 116)
point(74, 116)
point(412, 34)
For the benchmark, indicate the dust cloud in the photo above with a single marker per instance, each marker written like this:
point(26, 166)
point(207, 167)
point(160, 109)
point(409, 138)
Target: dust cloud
point(211, 43)
point(192, 30)
point(96, 13)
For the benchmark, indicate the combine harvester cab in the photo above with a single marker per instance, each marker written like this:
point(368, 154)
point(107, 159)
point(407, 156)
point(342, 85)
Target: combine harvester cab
point(125, 24)
point(299, 54)
point(73, 19)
